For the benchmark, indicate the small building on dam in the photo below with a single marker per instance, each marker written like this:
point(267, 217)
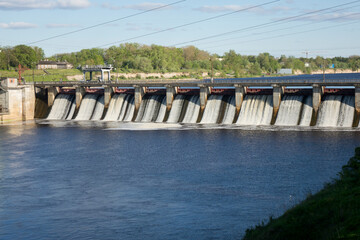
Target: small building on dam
point(17, 102)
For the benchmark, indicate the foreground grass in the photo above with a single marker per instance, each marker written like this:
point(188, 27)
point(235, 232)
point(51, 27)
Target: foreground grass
point(333, 213)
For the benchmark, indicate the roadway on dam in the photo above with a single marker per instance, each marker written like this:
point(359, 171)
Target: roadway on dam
point(341, 79)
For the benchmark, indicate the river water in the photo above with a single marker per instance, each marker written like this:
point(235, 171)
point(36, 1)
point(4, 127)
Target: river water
point(78, 181)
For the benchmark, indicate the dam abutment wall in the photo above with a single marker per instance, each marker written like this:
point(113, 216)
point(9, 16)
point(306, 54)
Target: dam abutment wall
point(18, 103)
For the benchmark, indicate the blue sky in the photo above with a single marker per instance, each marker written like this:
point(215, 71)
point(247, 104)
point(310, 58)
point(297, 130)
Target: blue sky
point(334, 32)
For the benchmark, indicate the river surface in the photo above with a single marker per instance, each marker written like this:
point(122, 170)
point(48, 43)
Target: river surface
point(78, 181)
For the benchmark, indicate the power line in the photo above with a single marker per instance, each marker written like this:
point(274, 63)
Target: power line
point(191, 23)
point(291, 27)
point(104, 23)
point(327, 19)
point(264, 24)
point(289, 34)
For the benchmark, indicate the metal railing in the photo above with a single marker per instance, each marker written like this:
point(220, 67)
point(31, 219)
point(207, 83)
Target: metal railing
point(300, 80)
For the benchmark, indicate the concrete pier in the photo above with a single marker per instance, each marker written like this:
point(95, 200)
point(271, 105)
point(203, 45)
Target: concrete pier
point(52, 92)
point(170, 93)
point(318, 91)
point(139, 93)
point(239, 97)
point(357, 106)
point(80, 92)
point(108, 93)
point(204, 92)
point(103, 71)
point(278, 91)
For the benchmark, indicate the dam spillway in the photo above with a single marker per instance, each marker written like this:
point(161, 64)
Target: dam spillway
point(256, 110)
point(294, 110)
point(304, 100)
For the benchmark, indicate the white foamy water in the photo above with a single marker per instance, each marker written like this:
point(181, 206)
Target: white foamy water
point(87, 107)
point(307, 111)
point(192, 110)
point(130, 109)
point(61, 107)
point(150, 126)
point(334, 111)
point(230, 111)
point(124, 107)
point(256, 110)
point(329, 111)
point(152, 108)
point(162, 111)
point(289, 111)
point(142, 108)
point(99, 109)
point(347, 111)
point(115, 106)
point(72, 110)
point(212, 109)
point(176, 108)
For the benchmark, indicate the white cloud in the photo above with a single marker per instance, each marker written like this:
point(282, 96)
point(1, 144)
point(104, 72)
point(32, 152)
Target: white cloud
point(109, 6)
point(141, 6)
point(145, 6)
point(43, 4)
point(225, 8)
point(73, 4)
point(232, 8)
point(17, 25)
point(60, 25)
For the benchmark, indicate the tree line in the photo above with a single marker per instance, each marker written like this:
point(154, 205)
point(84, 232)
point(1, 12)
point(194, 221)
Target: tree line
point(154, 58)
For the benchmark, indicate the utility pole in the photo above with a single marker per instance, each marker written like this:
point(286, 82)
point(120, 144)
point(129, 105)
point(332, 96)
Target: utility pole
point(307, 54)
point(21, 70)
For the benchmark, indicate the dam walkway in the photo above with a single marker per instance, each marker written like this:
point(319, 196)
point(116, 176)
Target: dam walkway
point(343, 79)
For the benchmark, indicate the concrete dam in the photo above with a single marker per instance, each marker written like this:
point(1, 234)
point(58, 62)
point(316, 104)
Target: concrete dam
point(334, 111)
point(330, 100)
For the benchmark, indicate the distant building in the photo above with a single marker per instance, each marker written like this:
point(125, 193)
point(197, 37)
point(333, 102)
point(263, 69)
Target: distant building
point(53, 65)
point(285, 71)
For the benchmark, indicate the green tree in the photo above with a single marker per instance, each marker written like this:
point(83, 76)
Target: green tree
point(39, 53)
point(24, 55)
point(143, 64)
point(355, 65)
point(255, 69)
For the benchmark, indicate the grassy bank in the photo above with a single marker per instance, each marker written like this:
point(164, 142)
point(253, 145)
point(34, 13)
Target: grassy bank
point(332, 213)
point(41, 75)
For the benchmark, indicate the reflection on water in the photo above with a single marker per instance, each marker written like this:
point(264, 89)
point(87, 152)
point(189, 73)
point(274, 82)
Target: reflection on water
point(64, 179)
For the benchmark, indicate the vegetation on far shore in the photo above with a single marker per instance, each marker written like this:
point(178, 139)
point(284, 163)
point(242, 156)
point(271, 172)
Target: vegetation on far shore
point(332, 213)
point(136, 58)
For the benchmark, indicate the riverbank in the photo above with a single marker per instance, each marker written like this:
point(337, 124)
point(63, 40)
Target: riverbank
point(332, 213)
